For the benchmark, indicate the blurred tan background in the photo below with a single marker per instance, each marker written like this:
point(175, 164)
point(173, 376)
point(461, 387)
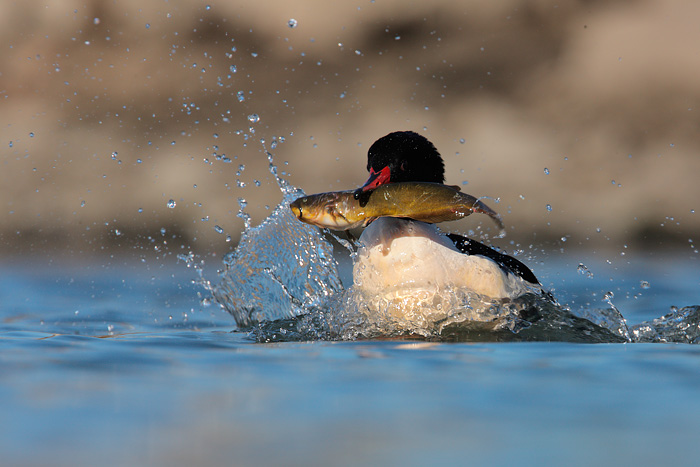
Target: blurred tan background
point(108, 110)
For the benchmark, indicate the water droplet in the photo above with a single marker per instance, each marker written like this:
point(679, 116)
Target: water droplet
point(358, 52)
point(114, 155)
point(608, 295)
point(546, 171)
point(148, 26)
point(233, 68)
point(583, 270)
point(292, 23)
point(171, 203)
point(31, 134)
point(549, 207)
point(253, 118)
point(11, 143)
point(644, 284)
point(162, 230)
point(82, 203)
point(461, 141)
point(96, 21)
point(240, 95)
point(218, 229)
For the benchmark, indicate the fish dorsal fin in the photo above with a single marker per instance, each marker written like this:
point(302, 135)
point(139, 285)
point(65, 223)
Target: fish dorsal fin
point(455, 187)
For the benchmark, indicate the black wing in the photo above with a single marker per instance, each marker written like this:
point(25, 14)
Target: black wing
point(507, 263)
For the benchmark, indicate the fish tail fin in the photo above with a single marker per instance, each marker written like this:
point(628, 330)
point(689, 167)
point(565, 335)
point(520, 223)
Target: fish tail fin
point(483, 209)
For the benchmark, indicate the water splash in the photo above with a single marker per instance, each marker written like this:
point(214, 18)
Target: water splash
point(282, 283)
point(280, 269)
point(468, 318)
point(681, 326)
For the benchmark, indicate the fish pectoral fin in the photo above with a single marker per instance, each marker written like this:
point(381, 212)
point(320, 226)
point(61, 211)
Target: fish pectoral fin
point(368, 221)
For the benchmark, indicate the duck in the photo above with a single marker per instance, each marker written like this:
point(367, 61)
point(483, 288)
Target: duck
point(403, 262)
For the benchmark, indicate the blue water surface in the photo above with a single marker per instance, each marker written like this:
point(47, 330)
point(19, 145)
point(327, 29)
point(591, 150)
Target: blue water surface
point(104, 364)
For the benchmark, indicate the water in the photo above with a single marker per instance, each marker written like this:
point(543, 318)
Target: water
point(119, 362)
point(120, 365)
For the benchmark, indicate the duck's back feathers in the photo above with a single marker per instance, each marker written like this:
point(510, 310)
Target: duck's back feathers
point(508, 263)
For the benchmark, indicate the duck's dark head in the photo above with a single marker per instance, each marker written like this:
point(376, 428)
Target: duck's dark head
point(402, 156)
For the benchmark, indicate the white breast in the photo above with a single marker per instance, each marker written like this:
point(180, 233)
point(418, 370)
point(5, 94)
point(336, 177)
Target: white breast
point(399, 257)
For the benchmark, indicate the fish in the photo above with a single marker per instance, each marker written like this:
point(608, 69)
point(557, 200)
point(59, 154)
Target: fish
point(421, 201)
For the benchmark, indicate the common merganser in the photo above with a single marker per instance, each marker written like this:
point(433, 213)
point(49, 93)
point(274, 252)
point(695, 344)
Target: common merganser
point(402, 258)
